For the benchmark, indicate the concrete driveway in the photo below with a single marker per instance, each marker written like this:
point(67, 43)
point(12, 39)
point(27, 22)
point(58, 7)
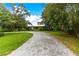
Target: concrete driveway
point(42, 44)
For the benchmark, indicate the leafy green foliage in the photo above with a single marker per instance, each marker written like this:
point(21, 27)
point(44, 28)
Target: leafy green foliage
point(13, 21)
point(62, 17)
point(1, 34)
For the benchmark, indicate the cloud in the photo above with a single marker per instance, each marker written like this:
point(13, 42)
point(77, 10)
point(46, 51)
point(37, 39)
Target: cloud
point(34, 19)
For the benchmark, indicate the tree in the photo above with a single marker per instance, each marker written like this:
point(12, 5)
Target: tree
point(20, 13)
point(13, 21)
point(62, 17)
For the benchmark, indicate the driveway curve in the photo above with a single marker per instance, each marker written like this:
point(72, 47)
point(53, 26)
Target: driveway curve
point(42, 44)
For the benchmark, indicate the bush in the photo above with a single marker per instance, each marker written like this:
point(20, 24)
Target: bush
point(1, 34)
point(72, 32)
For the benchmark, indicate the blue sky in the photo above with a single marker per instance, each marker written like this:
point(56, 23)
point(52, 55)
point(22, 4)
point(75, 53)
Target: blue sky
point(35, 11)
point(34, 8)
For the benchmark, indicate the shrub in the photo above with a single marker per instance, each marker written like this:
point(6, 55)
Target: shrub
point(1, 34)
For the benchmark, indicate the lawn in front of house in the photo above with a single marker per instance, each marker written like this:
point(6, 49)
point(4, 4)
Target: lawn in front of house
point(70, 41)
point(11, 41)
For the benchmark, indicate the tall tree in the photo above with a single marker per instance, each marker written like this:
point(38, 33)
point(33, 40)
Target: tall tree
point(64, 17)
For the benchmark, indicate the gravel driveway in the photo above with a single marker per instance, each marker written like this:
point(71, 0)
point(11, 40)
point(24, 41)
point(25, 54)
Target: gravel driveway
point(42, 44)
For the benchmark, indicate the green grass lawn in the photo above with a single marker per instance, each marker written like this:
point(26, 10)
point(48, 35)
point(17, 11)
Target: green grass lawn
point(70, 41)
point(11, 41)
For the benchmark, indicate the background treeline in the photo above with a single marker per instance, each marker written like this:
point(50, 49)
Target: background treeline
point(62, 17)
point(14, 20)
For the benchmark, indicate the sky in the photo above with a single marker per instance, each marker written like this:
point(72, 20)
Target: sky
point(35, 10)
